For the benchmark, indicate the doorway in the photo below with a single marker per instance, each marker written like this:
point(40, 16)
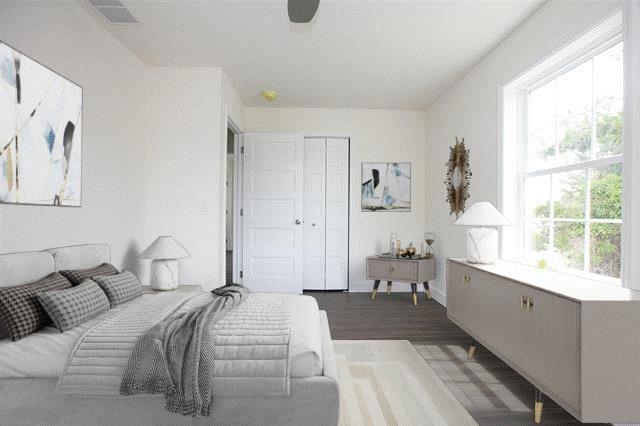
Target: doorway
point(233, 203)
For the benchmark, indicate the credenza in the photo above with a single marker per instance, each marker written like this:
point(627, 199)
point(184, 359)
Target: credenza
point(576, 340)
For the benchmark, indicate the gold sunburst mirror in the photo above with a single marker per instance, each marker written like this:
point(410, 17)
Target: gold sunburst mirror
point(458, 177)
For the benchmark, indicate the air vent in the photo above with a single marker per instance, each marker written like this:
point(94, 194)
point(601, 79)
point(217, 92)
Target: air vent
point(114, 11)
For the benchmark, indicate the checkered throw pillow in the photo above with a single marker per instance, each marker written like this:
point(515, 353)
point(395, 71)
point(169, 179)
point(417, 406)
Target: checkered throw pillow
point(19, 308)
point(71, 307)
point(77, 276)
point(120, 288)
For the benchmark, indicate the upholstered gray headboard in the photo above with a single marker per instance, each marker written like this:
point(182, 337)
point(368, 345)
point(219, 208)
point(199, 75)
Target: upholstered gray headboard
point(80, 257)
point(27, 267)
point(24, 268)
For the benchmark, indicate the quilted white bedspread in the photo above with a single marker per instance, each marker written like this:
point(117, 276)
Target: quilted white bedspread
point(44, 354)
point(98, 360)
point(248, 359)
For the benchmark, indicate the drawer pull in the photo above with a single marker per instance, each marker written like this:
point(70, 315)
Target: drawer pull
point(523, 302)
point(467, 279)
point(529, 304)
point(391, 269)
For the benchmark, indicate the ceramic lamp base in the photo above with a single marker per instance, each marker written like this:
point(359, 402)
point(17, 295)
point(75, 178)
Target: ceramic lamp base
point(482, 245)
point(164, 274)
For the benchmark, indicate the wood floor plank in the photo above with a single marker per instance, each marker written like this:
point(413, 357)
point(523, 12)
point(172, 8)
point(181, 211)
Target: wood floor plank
point(492, 392)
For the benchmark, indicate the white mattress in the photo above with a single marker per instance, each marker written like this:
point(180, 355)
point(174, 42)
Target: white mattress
point(306, 341)
point(44, 354)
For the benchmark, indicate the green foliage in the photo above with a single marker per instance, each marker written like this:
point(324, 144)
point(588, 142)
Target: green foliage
point(606, 198)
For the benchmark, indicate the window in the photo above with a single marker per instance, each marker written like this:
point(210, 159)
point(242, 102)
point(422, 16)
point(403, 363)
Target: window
point(569, 163)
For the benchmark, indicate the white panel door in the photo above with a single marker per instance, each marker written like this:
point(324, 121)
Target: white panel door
point(314, 213)
point(337, 214)
point(273, 212)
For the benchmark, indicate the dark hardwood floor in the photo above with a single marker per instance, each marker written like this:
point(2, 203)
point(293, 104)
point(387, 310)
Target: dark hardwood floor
point(489, 389)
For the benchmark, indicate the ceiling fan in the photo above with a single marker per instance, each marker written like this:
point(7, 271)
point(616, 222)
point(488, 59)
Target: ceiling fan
point(302, 11)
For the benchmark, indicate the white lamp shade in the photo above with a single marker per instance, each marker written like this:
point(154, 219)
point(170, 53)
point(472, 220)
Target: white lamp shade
point(164, 247)
point(482, 214)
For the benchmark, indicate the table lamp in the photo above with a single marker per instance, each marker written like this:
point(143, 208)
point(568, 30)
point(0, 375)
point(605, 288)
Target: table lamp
point(165, 252)
point(482, 243)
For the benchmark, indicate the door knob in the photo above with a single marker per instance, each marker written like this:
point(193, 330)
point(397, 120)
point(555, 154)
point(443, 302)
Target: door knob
point(298, 221)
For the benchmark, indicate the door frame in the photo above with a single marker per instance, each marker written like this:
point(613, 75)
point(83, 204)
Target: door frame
point(238, 164)
point(238, 247)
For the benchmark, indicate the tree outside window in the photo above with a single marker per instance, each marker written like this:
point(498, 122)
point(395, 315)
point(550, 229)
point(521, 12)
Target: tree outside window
point(573, 177)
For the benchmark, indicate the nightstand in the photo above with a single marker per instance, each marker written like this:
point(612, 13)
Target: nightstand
point(180, 289)
point(405, 270)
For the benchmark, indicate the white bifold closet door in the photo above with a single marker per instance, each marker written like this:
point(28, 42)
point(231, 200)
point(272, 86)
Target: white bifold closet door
point(326, 213)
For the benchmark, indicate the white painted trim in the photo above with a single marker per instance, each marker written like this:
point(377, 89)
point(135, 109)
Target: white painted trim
point(439, 296)
point(631, 135)
point(591, 164)
point(238, 168)
point(237, 245)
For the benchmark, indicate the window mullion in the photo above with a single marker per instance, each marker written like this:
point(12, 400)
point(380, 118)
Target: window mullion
point(587, 221)
point(588, 175)
point(523, 160)
point(594, 130)
point(555, 117)
point(552, 212)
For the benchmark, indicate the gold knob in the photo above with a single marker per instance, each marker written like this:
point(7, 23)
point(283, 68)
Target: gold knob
point(529, 304)
point(467, 279)
point(523, 302)
point(391, 269)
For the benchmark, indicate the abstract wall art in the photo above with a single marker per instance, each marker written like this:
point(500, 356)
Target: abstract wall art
point(386, 187)
point(40, 133)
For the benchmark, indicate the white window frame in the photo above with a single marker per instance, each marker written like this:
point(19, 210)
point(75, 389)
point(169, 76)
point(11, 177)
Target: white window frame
point(515, 149)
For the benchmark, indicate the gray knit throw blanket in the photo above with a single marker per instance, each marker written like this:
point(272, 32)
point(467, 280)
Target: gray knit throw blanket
point(175, 358)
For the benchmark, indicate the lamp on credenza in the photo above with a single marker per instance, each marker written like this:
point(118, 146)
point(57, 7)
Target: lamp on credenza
point(482, 243)
point(165, 252)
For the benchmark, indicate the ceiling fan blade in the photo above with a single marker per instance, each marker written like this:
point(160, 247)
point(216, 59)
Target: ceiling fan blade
point(302, 11)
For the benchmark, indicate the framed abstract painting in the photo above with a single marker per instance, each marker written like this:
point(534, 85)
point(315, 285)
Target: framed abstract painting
point(386, 187)
point(40, 133)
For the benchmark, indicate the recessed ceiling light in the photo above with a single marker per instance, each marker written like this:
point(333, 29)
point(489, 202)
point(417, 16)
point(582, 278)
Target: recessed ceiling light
point(270, 95)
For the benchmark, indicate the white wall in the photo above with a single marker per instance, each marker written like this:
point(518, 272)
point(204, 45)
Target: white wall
point(232, 109)
point(63, 37)
point(376, 135)
point(472, 109)
point(154, 146)
point(183, 163)
point(231, 102)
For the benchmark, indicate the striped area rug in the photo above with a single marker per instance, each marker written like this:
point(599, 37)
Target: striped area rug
point(386, 382)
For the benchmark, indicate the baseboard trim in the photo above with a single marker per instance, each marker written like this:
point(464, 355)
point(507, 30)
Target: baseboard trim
point(439, 296)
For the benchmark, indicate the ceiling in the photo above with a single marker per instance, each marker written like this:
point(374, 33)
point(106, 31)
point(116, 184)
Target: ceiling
point(383, 54)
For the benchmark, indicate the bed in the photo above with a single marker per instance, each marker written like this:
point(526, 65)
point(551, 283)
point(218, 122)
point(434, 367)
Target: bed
point(30, 369)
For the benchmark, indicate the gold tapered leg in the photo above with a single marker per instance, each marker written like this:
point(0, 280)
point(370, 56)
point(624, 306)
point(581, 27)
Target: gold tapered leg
point(414, 293)
point(388, 287)
point(472, 352)
point(427, 294)
point(376, 284)
point(537, 412)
